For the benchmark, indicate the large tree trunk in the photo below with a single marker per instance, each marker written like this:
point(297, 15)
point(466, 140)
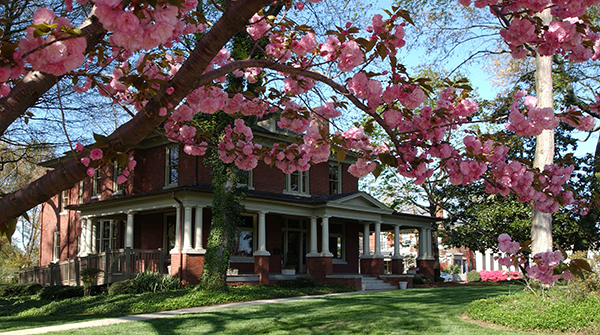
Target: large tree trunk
point(541, 223)
point(226, 210)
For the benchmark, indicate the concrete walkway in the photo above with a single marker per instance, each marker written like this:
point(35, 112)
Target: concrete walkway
point(160, 315)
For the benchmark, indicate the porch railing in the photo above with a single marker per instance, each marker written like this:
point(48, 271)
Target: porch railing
point(115, 265)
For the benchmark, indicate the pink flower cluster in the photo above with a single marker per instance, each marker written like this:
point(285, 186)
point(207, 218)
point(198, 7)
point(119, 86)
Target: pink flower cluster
point(494, 275)
point(144, 27)
point(58, 56)
point(236, 146)
point(538, 118)
point(258, 27)
point(544, 264)
point(382, 30)
point(567, 34)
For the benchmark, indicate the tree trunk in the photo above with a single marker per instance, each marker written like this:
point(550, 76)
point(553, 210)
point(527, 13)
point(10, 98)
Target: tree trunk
point(226, 209)
point(541, 223)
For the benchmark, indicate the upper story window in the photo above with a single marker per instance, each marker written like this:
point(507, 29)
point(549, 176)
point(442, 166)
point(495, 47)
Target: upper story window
point(335, 178)
point(117, 188)
point(80, 192)
point(172, 166)
point(96, 185)
point(64, 200)
point(297, 182)
point(247, 179)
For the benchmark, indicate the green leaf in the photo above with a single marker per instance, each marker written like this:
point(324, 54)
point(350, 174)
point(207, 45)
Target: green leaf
point(582, 264)
point(340, 155)
point(377, 170)
point(8, 228)
point(122, 159)
point(101, 139)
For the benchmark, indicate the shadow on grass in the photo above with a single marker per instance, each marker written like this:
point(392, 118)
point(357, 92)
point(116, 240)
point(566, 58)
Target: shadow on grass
point(413, 311)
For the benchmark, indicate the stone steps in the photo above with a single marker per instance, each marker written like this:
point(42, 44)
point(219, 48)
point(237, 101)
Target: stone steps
point(374, 284)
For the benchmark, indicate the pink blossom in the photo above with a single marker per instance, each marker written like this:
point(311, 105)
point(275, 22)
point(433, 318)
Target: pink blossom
point(90, 171)
point(43, 15)
point(132, 163)
point(78, 147)
point(121, 179)
point(306, 44)
point(361, 168)
point(96, 154)
point(196, 150)
point(258, 27)
point(350, 57)
point(329, 49)
point(85, 161)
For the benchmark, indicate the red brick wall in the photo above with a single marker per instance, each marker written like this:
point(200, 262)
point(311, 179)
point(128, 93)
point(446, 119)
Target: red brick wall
point(148, 231)
point(150, 169)
point(268, 179)
point(319, 268)
point(193, 265)
point(354, 282)
point(274, 241)
point(349, 182)
point(319, 179)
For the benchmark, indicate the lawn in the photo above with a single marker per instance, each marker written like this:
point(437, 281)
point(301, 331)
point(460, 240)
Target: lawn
point(416, 311)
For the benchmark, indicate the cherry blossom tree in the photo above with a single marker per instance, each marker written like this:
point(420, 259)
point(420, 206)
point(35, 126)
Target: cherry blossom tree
point(139, 60)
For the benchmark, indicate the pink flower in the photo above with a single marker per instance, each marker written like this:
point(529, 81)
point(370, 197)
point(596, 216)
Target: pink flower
point(258, 27)
point(85, 161)
point(306, 44)
point(96, 154)
point(90, 171)
point(350, 57)
point(132, 163)
point(329, 48)
point(78, 147)
point(121, 179)
point(43, 15)
point(194, 150)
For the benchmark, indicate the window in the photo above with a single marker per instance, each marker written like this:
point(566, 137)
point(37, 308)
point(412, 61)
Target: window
point(336, 241)
point(56, 247)
point(335, 178)
point(297, 182)
point(247, 179)
point(117, 188)
point(106, 236)
point(80, 194)
point(243, 244)
point(169, 233)
point(96, 185)
point(64, 201)
point(172, 166)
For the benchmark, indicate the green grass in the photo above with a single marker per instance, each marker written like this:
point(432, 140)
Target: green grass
point(34, 312)
point(555, 311)
point(417, 311)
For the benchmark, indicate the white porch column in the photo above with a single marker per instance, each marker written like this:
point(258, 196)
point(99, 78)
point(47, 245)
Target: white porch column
point(91, 236)
point(397, 254)
point(422, 244)
point(429, 249)
point(478, 261)
point(366, 246)
point(313, 237)
point(129, 230)
point(378, 253)
point(187, 228)
point(198, 225)
point(488, 260)
point(262, 235)
point(178, 214)
point(325, 238)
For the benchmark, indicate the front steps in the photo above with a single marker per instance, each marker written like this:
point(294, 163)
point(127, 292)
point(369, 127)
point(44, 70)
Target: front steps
point(374, 284)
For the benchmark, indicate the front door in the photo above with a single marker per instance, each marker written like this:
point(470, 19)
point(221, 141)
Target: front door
point(294, 245)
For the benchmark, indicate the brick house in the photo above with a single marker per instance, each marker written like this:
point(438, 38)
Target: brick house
point(307, 221)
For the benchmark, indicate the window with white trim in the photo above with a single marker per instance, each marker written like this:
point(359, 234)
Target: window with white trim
point(96, 185)
point(56, 247)
point(80, 194)
point(64, 201)
point(117, 170)
point(337, 244)
point(297, 182)
point(244, 242)
point(247, 179)
point(335, 178)
point(106, 235)
point(172, 166)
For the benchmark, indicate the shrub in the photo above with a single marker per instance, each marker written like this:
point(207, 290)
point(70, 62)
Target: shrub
point(59, 292)
point(122, 287)
point(456, 269)
point(473, 276)
point(494, 275)
point(420, 280)
point(447, 270)
point(300, 282)
point(155, 282)
point(19, 290)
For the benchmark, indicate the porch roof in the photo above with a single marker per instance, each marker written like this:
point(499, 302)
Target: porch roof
point(358, 206)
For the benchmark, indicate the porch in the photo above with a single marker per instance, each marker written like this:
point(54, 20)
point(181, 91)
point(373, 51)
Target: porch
point(115, 265)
